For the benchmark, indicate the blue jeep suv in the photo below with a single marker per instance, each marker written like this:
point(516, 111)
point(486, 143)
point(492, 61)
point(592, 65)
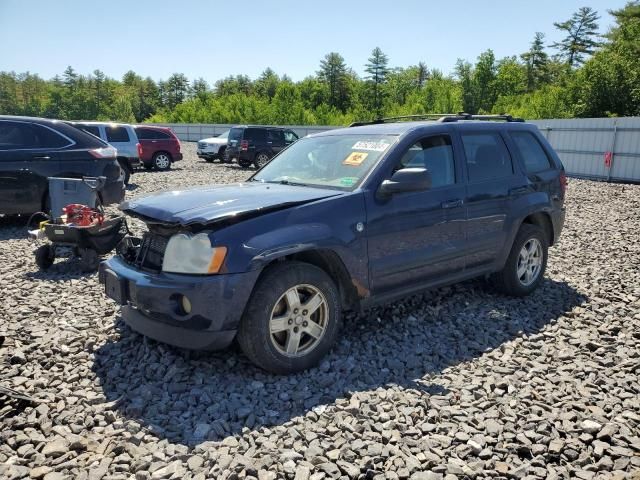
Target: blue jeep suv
point(340, 220)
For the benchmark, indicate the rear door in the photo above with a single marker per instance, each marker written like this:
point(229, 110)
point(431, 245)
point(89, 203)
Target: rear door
point(492, 182)
point(118, 136)
point(275, 140)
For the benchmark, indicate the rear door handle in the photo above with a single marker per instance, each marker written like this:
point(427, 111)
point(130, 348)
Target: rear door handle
point(518, 190)
point(452, 203)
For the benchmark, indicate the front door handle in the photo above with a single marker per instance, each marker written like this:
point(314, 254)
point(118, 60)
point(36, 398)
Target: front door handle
point(518, 190)
point(452, 203)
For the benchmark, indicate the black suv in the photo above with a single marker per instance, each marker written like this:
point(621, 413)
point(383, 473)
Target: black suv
point(256, 145)
point(32, 149)
point(341, 220)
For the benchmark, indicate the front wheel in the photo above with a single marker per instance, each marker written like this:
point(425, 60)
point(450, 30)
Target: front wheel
point(526, 264)
point(162, 161)
point(292, 318)
point(244, 163)
point(45, 256)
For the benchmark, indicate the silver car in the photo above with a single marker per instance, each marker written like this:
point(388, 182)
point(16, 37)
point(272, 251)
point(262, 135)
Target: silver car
point(122, 137)
point(213, 148)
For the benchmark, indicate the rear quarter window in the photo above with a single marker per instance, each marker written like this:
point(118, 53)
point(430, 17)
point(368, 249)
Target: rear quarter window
point(533, 155)
point(150, 134)
point(117, 134)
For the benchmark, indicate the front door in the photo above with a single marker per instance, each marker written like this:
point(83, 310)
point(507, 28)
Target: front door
point(419, 237)
point(24, 167)
point(275, 140)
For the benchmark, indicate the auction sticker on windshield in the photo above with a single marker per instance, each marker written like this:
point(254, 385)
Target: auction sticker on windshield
point(355, 159)
point(371, 146)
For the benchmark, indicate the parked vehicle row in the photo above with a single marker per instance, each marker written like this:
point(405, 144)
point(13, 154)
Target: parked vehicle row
point(340, 220)
point(248, 145)
point(33, 149)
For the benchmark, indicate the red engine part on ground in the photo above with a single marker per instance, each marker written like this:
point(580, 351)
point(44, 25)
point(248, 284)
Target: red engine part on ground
point(82, 215)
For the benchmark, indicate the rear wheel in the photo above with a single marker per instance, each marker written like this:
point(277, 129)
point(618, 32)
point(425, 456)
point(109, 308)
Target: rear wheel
point(262, 158)
point(45, 256)
point(162, 161)
point(526, 264)
point(292, 318)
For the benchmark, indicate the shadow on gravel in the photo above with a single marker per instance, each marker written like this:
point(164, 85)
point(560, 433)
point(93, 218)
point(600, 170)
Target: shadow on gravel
point(190, 397)
point(15, 227)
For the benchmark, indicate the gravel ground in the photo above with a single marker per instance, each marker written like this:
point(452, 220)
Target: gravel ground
point(456, 383)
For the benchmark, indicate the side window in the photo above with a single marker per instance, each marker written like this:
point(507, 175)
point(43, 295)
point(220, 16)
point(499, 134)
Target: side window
point(290, 136)
point(16, 135)
point(436, 155)
point(144, 134)
point(117, 134)
point(161, 135)
point(275, 136)
point(92, 129)
point(487, 156)
point(258, 135)
point(534, 157)
point(48, 138)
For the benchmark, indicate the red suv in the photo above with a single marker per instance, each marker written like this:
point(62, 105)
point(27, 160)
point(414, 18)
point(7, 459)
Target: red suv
point(160, 147)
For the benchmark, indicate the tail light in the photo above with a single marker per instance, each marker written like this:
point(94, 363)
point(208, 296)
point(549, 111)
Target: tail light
point(244, 145)
point(104, 152)
point(563, 182)
point(139, 147)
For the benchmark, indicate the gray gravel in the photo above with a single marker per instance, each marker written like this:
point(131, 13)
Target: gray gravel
point(456, 383)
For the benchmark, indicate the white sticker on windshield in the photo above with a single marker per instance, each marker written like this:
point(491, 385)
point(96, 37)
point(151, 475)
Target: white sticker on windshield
point(371, 146)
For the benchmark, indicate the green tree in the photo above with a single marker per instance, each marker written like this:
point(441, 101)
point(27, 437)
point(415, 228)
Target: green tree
point(581, 36)
point(377, 68)
point(333, 73)
point(537, 63)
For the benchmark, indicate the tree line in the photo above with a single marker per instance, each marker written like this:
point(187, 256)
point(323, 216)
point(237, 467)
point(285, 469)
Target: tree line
point(582, 75)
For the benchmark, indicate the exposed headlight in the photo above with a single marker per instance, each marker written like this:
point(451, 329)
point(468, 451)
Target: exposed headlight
point(186, 253)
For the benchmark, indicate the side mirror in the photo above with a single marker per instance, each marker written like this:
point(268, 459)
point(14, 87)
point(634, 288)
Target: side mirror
point(406, 180)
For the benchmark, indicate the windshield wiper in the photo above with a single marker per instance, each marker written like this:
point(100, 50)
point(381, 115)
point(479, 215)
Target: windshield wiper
point(286, 182)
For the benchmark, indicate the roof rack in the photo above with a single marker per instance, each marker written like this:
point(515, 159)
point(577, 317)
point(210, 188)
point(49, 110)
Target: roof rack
point(467, 116)
point(403, 117)
point(441, 117)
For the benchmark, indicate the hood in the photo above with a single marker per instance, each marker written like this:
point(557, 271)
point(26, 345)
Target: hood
point(207, 205)
point(214, 140)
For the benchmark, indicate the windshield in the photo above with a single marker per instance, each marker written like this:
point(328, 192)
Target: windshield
point(337, 161)
point(223, 135)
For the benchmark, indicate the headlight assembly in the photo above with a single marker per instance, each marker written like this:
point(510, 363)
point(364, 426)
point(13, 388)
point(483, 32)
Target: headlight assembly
point(186, 253)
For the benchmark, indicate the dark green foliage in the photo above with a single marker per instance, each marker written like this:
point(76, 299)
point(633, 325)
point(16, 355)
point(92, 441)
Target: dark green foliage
point(581, 34)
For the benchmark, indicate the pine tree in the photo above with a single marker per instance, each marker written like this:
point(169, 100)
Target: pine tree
point(333, 73)
point(423, 74)
point(377, 68)
point(582, 31)
point(537, 63)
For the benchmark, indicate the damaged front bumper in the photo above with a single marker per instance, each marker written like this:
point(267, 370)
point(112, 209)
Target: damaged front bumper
point(153, 303)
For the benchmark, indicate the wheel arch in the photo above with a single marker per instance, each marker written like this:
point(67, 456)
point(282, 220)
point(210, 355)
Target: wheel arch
point(542, 220)
point(328, 261)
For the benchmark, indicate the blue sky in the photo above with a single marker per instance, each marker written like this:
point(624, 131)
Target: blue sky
point(213, 39)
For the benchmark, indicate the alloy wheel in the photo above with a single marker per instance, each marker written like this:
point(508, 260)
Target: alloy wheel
point(162, 161)
point(299, 320)
point(529, 262)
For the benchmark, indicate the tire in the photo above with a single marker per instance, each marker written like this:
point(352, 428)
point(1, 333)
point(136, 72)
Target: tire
point(261, 159)
point(222, 157)
point(244, 163)
point(127, 175)
point(209, 159)
point(161, 161)
point(526, 264)
point(273, 299)
point(89, 259)
point(45, 255)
